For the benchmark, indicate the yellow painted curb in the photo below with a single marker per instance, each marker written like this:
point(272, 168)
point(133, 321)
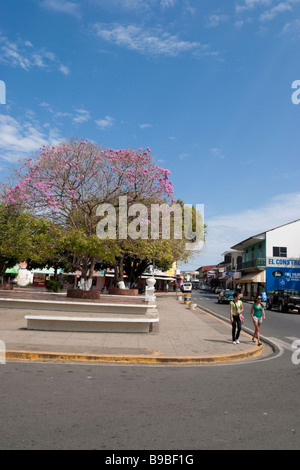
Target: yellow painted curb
point(39, 356)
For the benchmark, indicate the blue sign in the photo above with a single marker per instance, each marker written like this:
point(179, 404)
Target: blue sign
point(283, 278)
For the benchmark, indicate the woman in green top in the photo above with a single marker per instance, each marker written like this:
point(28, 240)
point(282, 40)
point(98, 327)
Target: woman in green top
point(257, 314)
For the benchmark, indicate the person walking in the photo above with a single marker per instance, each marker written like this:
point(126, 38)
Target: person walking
point(236, 309)
point(257, 314)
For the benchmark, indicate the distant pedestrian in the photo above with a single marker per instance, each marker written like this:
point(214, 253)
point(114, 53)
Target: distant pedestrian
point(236, 309)
point(257, 314)
point(167, 288)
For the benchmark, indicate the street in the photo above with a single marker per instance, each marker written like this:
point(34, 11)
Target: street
point(246, 405)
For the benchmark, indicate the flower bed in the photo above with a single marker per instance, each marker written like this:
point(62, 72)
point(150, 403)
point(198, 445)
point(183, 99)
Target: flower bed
point(116, 291)
point(6, 286)
point(83, 294)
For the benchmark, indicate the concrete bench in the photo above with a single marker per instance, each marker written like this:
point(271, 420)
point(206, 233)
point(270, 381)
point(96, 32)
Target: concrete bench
point(96, 324)
point(79, 307)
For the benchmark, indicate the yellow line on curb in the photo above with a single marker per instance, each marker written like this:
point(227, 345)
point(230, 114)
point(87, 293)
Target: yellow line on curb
point(36, 356)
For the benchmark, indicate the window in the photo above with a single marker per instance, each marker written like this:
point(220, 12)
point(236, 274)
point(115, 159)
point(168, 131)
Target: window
point(280, 251)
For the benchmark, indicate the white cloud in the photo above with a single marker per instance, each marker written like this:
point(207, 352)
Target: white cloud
point(154, 41)
point(78, 116)
point(145, 126)
point(82, 115)
point(216, 152)
point(105, 123)
point(64, 69)
point(225, 231)
point(273, 12)
point(18, 139)
point(292, 28)
point(167, 3)
point(138, 6)
point(62, 6)
point(215, 20)
point(22, 54)
point(250, 4)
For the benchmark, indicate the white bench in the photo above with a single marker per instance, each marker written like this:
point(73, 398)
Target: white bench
point(116, 324)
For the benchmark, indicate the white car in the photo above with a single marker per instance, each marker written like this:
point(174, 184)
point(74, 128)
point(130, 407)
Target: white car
point(186, 287)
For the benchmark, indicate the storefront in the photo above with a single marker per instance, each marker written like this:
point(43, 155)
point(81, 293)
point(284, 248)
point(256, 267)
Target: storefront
point(250, 285)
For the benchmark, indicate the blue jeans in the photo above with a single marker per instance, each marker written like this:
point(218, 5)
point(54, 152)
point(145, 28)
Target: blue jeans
point(236, 327)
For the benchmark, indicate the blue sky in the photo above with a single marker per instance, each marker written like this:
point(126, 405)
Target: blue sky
point(206, 84)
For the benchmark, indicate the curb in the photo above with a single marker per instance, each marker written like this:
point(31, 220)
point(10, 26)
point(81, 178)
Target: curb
point(40, 356)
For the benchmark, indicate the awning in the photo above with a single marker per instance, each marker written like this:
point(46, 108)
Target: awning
point(162, 278)
point(252, 277)
point(12, 271)
point(43, 271)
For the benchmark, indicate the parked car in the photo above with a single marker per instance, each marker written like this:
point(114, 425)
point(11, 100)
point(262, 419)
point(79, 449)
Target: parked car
point(283, 300)
point(186, 287)
point(225, 296)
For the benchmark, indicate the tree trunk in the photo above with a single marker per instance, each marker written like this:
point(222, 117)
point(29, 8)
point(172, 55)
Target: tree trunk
point(85, 284)
point(2, 272)
point(119, 270)
point(92, 268)
point(134, 268)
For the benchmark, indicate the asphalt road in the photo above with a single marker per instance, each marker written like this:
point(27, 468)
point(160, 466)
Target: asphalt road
point(249, 405)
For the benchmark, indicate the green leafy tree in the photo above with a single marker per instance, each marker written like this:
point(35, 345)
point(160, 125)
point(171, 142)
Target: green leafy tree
point(22, 237)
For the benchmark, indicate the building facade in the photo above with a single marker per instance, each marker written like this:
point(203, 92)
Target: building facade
point(228, 272)
point(276, 247)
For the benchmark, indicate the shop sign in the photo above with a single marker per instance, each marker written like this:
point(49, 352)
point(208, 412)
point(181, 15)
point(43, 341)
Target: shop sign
point(283, 273)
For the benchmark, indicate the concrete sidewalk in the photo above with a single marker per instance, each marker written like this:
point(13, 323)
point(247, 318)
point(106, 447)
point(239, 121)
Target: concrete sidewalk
point(185, 337)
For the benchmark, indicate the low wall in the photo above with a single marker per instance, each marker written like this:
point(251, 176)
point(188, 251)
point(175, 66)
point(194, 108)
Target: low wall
point(116, 291)
point(6, 286)
point(83, 294)
point(80, 306)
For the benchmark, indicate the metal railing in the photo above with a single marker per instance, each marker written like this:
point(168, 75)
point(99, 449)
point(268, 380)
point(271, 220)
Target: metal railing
point(254, 263)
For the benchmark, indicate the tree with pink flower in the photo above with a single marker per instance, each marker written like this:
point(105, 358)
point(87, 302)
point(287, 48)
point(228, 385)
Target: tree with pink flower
point(66, 183)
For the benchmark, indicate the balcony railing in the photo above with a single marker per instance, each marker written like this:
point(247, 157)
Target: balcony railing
point(254, 263)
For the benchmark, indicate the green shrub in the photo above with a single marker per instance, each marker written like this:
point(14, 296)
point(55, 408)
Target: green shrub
point(53, 285)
